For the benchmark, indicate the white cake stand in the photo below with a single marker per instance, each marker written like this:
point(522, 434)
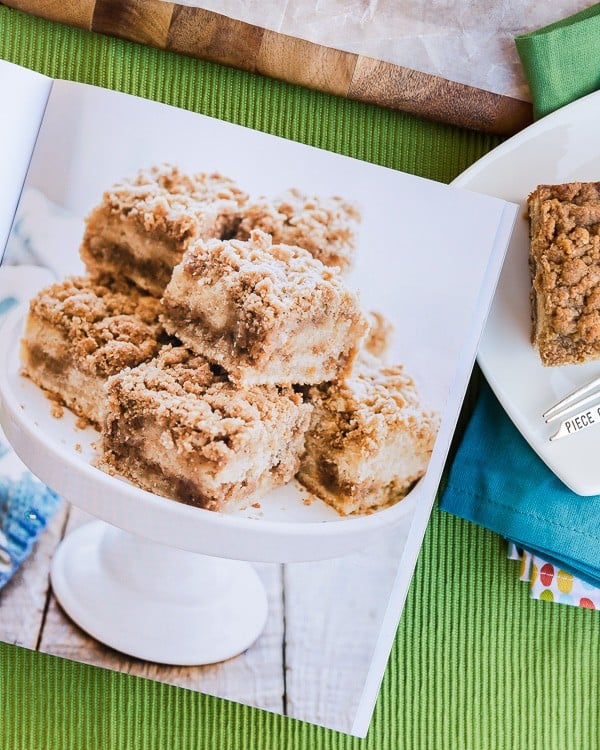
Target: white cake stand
point(149, 579)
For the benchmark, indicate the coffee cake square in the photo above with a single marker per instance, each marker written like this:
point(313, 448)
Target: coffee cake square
point(176, 426)
point(266, 313)
point(144, 224)
point(370, 439)
point(326, 227)
point(79, 332)
point(564, 259)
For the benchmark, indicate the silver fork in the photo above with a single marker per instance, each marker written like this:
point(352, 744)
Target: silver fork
point(587, 395)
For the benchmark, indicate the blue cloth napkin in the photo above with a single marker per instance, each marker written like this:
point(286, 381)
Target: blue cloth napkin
point(498, 481)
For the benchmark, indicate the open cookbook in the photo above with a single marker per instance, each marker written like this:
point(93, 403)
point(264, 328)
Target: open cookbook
point(237, 362)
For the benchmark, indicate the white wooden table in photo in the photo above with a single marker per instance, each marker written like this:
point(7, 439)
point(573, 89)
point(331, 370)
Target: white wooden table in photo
point(310, 661)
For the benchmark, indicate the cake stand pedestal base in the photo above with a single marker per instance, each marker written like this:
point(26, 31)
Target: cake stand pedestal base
point(154, 602)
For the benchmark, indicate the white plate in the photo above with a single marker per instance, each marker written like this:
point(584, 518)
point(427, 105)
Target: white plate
point(563, 147)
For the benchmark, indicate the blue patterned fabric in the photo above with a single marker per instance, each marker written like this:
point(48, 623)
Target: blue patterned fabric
point(26, 505)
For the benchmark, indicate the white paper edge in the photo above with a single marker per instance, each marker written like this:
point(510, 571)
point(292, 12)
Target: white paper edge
point(26, 93)
point(408, 561)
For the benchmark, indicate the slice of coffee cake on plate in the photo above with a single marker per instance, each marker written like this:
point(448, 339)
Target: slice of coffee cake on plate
point(564, 259)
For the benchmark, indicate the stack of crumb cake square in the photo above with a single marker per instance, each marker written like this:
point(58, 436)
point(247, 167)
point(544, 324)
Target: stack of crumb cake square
point(216, 344)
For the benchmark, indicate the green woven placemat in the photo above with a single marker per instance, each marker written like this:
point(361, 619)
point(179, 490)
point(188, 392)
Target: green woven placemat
point(476, 664)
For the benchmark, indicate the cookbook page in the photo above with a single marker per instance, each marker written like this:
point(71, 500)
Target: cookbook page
point(164, 203)
point(23, 94)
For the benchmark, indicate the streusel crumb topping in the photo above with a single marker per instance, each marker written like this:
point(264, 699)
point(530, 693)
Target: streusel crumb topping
point(372, 403)
point(326, 227)
point(199, 403)
point(380, 334)
point(167, 200)
point(111, 324)
point(565, 257)
point(270, 278)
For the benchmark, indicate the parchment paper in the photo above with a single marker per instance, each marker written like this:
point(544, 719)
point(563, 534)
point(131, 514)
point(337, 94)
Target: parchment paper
point(469, 41)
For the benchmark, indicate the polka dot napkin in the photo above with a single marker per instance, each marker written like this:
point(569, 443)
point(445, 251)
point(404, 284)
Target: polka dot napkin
point(550, 583)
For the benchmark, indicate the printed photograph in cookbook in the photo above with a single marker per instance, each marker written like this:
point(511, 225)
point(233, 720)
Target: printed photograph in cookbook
point(233, 367)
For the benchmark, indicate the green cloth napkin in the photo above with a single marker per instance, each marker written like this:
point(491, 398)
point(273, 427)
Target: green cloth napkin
point(562, 61)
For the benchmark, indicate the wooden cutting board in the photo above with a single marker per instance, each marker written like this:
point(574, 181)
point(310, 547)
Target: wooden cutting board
point(211, 36)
